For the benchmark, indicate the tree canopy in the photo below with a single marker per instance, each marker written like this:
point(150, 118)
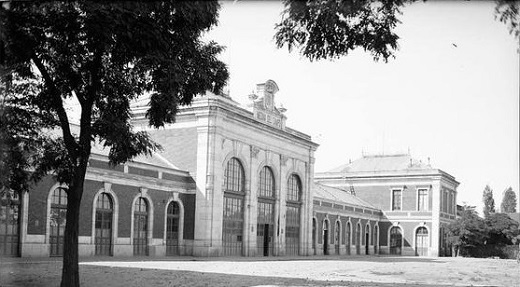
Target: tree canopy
point(104, 54)
point(489, 202)
point(330, 29)
point(509, 201)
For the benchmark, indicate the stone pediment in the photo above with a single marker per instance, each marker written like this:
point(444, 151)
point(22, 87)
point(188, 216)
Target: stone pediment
point(264, 105)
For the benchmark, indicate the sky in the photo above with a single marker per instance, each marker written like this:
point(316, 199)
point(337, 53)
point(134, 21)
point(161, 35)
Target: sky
point(451, 94)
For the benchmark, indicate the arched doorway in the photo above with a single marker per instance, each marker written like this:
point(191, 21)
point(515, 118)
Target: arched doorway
point(358, 239)
point(326, 237)
point(103, 225)
point(337, 237)
point(233, 208)
point(396, 240)
point(314, 236)
point(367, 239)
point(348, 240)
point(140, 227)
point(421, 241)
point(375, 239)
point(9, 223)
point(58, 218)
point(172, 229)
point(265, 219)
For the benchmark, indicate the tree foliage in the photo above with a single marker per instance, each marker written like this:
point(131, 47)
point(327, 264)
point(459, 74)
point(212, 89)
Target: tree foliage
point(501, 229)
point(330, 29)
point(468, 230)
point(104, 54)
point(489, 202)
point(508, 12)
point(509, 201)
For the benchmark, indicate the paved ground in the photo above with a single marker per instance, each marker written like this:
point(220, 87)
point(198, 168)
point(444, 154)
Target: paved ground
point(299, 271)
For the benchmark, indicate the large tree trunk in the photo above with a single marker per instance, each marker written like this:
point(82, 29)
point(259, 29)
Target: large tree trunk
point(70, 270)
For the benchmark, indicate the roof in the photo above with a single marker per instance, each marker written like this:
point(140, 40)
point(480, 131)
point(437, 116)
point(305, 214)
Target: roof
point(154, 159)
point(377, 163)
point(339, 195)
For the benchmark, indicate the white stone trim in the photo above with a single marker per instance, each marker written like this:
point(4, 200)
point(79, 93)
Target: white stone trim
point(150, 217)
point(175, 198)
point(115, 215)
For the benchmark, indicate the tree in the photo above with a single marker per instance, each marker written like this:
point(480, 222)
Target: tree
point(501, 228)
point(467, 231)
point(330, 29)
point(105, 54)
point(508, 204)
point(508, 12)
point(489, 202)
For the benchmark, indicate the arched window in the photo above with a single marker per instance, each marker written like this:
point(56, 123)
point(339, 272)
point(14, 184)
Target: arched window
point(233, 209)
point(347, 235)
point(9, 223)
point(104, 215)
point(265, 218)
point(58, 218)
point(421, 241)
point(172, 229)
point(396, 240)
point(292, 223)
point(266, 182)
point(141, 226)
point(234, 176)
point(294, 188)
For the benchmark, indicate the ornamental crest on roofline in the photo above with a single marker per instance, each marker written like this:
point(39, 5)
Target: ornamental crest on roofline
point(264, 105)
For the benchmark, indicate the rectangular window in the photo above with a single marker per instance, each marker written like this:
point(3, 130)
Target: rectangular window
point(396, 199)
point(445, 201)
point(422, 199)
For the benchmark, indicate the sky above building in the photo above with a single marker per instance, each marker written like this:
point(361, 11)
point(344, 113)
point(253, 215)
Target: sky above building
point(451, 94)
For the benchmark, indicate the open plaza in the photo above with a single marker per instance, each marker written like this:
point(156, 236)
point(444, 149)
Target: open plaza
point(287, 271)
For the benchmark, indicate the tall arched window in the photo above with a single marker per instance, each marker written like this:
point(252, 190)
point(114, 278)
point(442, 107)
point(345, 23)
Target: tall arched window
point(396, 240)
point(347, 237)
point(314, 235)
point(367, 238)
point(266, 183)
point(141, 226)
point(421, 241)
point(58, 218)
point(292, 223)
point(9, 223)
point(172, 228)
point(265, 218)
point(104, 215)
point(233, 209)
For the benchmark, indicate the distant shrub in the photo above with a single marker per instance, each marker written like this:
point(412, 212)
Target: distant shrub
point(485, 251)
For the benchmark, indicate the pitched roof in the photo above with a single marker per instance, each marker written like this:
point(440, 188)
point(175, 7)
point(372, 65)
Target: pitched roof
point(154, 159)
point(339, 195)
point(376, 163)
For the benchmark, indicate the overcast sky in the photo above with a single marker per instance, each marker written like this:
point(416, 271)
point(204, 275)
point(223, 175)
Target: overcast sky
point(451, 94)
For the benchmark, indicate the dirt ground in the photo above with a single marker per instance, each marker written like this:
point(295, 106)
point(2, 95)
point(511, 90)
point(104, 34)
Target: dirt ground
point(300, 271)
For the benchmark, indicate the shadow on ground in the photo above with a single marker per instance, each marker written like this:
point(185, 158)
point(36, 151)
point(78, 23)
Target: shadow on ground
point(48, 274)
